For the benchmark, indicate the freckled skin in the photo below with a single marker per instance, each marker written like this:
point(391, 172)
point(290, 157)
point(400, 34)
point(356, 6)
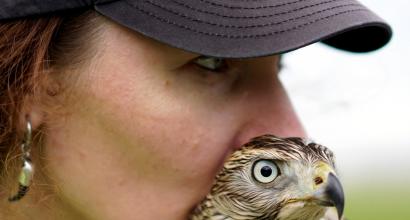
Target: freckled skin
point(145, 122)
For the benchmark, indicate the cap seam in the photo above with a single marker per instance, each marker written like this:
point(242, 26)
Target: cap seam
point(250, 0)
point(164, 20)
point(250, 17)
point(251, 26)
point(251, 8)
point(99, 2)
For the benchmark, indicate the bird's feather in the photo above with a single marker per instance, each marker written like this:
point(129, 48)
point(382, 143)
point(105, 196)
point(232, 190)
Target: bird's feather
point(237, 195)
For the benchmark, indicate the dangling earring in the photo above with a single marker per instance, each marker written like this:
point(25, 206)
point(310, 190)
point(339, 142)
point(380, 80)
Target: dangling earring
point(26, 173)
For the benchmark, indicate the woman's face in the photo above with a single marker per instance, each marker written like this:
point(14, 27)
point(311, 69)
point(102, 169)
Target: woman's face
point(150, 128)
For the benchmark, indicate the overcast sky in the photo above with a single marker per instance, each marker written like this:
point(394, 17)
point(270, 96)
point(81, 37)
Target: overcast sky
point(359, 105)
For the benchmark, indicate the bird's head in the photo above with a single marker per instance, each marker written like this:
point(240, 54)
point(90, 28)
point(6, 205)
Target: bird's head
point(278, 178)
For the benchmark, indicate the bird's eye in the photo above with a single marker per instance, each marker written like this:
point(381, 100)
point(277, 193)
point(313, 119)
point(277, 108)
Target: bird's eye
point(211, 63)
point(265, 171)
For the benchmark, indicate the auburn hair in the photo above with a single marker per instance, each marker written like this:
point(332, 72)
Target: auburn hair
point(29, 49)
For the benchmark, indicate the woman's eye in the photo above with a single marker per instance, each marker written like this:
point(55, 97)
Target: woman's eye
point(265, 171)
point(211, 63)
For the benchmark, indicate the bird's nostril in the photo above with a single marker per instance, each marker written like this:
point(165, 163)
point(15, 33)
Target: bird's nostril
point(318, 180)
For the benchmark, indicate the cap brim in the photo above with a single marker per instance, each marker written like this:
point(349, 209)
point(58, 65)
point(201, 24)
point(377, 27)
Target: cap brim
point(244, 29)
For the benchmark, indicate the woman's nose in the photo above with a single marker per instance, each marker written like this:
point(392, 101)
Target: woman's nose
point(268, 111)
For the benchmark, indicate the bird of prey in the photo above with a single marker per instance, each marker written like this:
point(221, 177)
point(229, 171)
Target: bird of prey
point(272, 178)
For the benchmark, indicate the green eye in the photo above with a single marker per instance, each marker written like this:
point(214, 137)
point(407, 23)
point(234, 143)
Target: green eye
point(210, 63)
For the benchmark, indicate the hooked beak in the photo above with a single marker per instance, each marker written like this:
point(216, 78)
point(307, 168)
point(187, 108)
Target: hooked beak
point(331, 194)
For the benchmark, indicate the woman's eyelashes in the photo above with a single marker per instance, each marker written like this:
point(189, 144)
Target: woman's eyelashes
point(212, 64)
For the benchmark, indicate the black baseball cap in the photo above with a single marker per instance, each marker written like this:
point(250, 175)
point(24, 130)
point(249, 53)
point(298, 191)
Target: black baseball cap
point(231, 28)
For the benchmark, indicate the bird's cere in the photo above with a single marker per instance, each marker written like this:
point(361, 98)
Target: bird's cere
point(272, 178)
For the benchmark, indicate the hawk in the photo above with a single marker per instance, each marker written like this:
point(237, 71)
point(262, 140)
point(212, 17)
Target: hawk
point(272, 178)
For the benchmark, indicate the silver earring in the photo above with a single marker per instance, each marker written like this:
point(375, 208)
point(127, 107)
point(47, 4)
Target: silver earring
point(27, 171)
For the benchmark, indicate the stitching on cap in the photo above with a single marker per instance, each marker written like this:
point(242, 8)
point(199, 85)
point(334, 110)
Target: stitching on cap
point(96, 2)
point(164, 20)
point(250, 0)
point(248, 26)
point(249, 8)
point(250, 17)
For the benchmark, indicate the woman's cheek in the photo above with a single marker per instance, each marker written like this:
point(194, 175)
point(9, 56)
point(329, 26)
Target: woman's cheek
point(170, 147)
point(192, 152)
point(173, 133)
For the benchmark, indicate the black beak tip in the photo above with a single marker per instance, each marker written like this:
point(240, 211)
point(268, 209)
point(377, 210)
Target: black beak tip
point(334, 191)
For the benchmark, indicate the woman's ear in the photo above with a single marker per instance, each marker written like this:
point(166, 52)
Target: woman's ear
point(33, 112)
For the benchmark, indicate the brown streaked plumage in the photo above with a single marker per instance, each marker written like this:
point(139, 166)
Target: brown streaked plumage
point(273, 178)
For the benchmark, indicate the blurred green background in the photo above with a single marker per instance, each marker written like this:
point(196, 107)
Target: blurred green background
point(373, 202)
